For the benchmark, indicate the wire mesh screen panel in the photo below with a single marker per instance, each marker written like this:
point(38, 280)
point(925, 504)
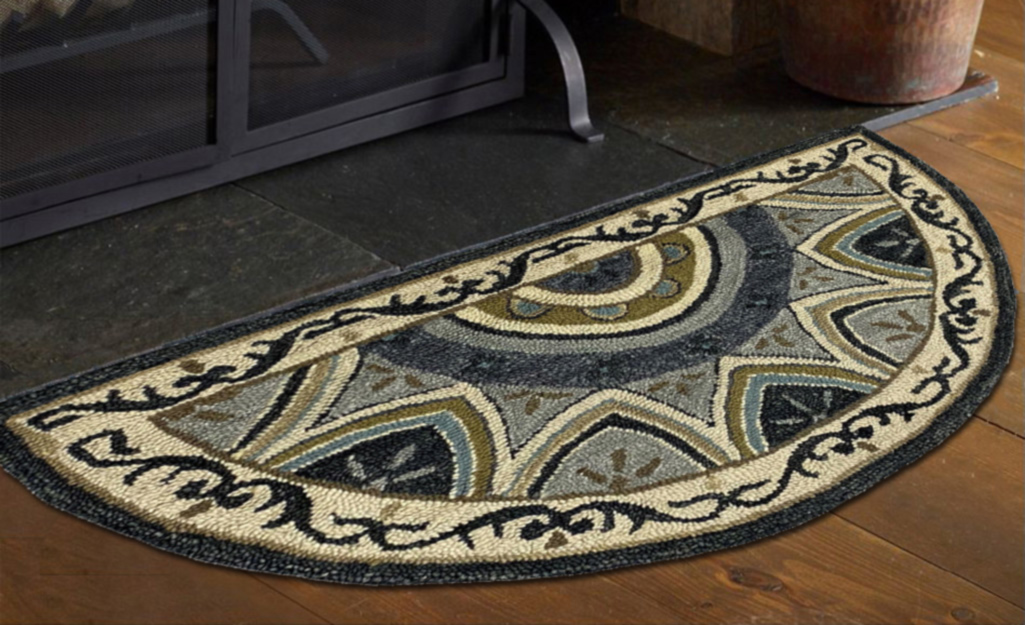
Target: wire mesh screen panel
point(89, 86)
point(308, 55)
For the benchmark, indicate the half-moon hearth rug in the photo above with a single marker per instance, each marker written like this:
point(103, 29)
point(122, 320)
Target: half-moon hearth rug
point(701, 366)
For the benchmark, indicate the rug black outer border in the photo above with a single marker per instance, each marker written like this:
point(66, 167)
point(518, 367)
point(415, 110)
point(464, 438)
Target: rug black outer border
point(55, 490)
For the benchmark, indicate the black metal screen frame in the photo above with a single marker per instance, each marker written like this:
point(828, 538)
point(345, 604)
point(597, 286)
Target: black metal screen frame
point(238, 151)
point(248, 138)
point(174, 163)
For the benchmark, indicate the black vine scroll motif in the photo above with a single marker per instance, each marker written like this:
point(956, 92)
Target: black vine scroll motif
point(208, 479)
point(959, 326)
point(508, 274)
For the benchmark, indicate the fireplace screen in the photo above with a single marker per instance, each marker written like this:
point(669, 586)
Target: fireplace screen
point(89, 87)
point(309, 55)
point(110, 105)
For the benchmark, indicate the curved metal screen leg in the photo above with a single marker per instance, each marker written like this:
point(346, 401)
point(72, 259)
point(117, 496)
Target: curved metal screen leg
point(576, 88)
point(301, 30)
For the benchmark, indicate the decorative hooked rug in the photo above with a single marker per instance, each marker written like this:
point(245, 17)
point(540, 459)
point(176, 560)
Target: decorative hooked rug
point(713, 362)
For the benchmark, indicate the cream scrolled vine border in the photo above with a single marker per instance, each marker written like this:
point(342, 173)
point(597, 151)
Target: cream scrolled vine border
point(100, 439)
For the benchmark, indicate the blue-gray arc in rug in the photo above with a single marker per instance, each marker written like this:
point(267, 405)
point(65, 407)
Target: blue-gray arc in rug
point(686, 370)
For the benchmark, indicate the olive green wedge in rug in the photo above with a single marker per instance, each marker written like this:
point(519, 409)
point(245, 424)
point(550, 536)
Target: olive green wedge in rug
point(709, 363)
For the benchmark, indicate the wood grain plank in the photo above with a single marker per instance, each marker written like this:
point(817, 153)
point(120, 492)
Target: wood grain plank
point(44, 552)
point(730, 587)
point(22, 515)
point(186, 593)
point(1004, 405)
point(965, 501)
point(828, 571)
point(429, 605)
point(993, 124)
point(1001, 27)
point(996, 188)
point(76, 547)
point(589, 599)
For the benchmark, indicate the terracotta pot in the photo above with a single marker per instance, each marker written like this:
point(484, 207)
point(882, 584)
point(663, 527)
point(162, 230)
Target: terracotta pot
point(879, 51)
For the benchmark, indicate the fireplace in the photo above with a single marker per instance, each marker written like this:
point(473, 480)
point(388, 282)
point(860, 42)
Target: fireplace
point(110, 105)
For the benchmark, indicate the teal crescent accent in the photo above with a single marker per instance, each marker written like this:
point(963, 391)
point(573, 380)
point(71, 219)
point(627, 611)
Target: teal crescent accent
point(846, 245)
point(753, 398)
point(606, 313)
point(450, 428)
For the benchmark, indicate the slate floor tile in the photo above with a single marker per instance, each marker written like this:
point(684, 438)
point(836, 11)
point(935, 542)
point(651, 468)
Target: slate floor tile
point(88, 296)
point(114, 288)
point(455, 184)
point(714, 108)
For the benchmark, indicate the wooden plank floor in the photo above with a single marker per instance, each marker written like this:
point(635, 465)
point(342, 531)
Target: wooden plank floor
point(941, 542)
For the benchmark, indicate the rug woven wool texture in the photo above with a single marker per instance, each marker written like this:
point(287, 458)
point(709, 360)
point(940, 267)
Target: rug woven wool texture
point(707, 364)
